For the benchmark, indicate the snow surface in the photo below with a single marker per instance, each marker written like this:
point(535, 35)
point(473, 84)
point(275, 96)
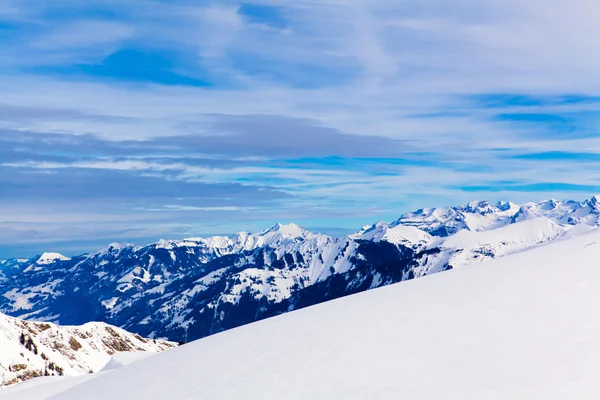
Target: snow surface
point(49, 258)
point(400, 234)
point(47, 386)
point(520, 327)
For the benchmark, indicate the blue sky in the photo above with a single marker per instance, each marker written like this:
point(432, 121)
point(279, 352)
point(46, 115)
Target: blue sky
point(139, 120)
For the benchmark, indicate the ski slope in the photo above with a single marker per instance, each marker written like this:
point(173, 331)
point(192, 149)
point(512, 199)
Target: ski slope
point(525, 326)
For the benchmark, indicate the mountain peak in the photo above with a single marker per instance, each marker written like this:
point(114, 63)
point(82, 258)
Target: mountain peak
point(481, 207)
point(394, 233)
point(550, 203)
point(49, 258)
point(478, 204)
point(506, 205)
point(291, 229)
point(114, 247)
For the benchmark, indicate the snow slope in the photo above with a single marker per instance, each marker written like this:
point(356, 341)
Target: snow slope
point(33, 349)
point(521, 327)
point(47, 386)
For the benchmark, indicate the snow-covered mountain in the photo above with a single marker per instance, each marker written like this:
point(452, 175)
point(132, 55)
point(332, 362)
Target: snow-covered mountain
point(521, 327)
point(187, 289)
point(483, 216)
point(32, 349)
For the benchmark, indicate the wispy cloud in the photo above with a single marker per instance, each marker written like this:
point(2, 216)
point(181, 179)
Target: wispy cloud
point(128, 120)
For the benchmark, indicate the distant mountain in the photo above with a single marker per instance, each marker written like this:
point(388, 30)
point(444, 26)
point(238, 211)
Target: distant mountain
point(33, 349)
point(187, 289)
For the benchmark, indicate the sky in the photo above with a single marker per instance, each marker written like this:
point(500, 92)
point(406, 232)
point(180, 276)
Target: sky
point(135, 120)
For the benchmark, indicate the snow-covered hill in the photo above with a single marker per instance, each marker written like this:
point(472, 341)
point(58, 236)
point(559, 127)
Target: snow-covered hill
point(519, 327)
point(187, 289)
point(33, 349)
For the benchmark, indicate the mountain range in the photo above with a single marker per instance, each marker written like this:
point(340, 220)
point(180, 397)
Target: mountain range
point(520, 327)
point(187, 289)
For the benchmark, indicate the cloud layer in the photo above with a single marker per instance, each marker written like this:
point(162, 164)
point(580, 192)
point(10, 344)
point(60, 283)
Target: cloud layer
point(145, 119)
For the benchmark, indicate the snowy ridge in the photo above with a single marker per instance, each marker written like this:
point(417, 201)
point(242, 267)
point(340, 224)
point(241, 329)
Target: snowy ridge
point(33, 349)
point(467, 247)
point(195, 287)
point(475, 216)
point(519, 327)
point(482, 216)
point(399, 234)
point(49, 258)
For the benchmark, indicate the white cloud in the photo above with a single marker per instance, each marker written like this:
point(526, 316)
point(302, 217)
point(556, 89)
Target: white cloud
point(411, 67)
point(84, 34)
